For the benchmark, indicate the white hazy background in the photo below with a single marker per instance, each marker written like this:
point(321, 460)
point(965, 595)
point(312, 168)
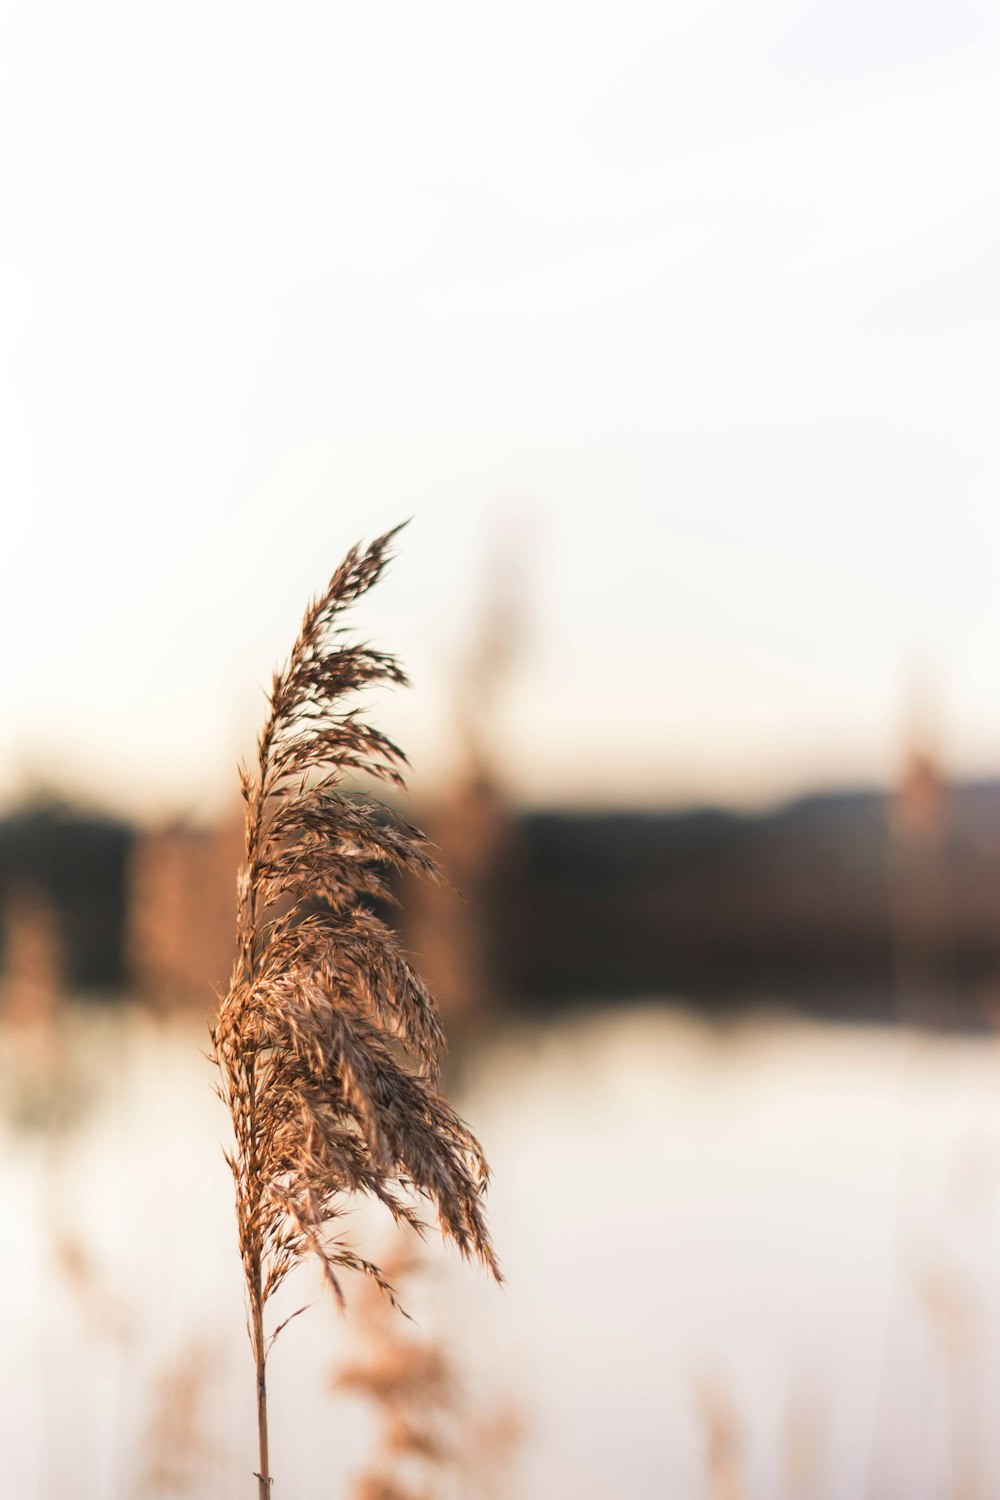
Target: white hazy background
point(689, 313)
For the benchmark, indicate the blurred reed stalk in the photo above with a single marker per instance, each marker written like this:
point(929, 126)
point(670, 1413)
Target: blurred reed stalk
point(410, 1382)
point(431, 1440)
point(327, 1042)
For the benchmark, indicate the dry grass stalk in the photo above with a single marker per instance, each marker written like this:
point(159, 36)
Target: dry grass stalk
point(431, 1441)
point(178, 1443)
point(408, 1379)
point(724, 1459)
point(327, 1041)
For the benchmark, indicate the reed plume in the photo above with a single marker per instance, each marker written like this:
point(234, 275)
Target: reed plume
point(409, 1380)
point(327, 1042)
point(432, 1439)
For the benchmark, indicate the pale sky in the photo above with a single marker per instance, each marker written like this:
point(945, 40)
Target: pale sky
point(691, 312)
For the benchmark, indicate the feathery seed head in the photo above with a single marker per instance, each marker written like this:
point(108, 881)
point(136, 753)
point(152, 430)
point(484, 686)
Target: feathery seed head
point(328, 1042)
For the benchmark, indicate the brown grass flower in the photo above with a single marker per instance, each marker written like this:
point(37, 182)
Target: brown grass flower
point(328, 1042)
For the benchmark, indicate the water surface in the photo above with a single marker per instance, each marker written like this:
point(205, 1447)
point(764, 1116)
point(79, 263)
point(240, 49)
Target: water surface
point(765, 1257)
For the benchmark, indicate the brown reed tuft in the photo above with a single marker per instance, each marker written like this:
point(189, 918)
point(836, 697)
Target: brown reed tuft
point(328, 1042)
point(408, 1379)
point(178, 1441)
point(431, 1438)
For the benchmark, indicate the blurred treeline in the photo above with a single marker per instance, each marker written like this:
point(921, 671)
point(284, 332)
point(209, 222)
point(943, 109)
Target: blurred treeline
point(840, 904)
